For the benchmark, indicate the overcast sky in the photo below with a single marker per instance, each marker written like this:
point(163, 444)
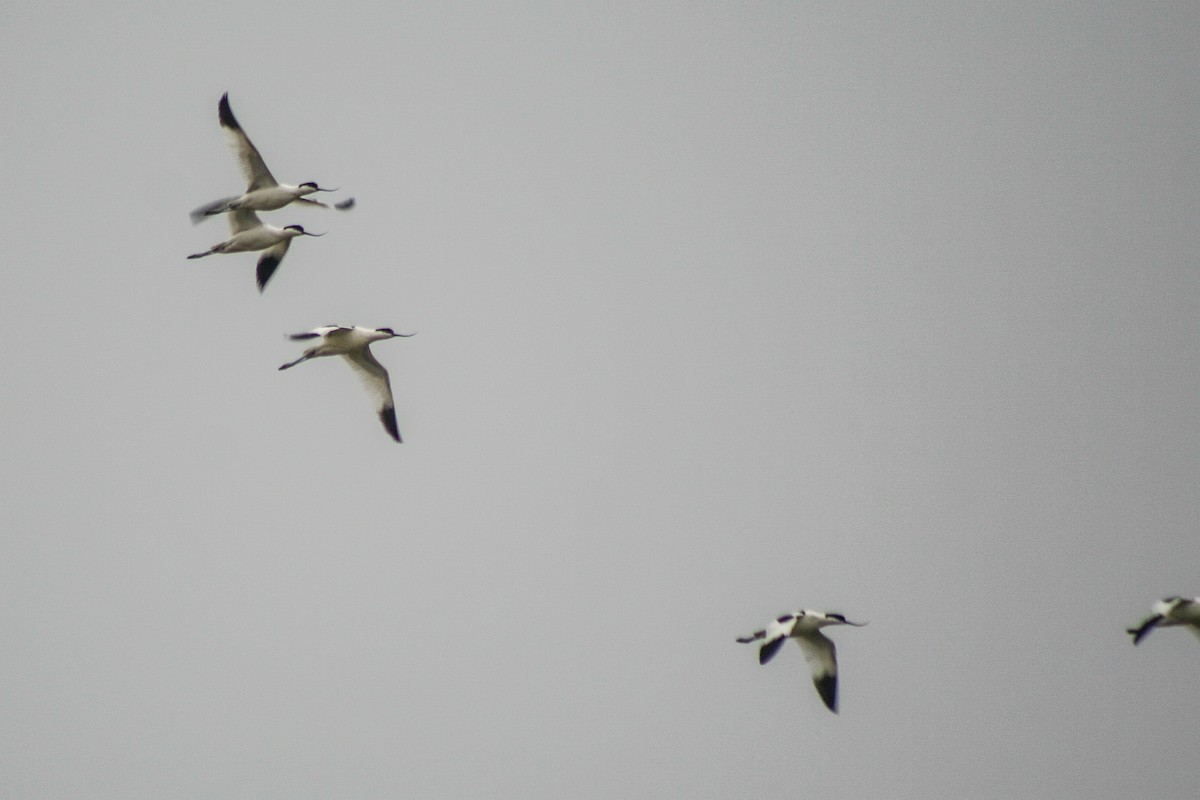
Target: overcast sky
point(723, 309)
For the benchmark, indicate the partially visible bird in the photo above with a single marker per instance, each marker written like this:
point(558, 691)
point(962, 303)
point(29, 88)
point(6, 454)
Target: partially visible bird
point(1168, 613)
point(805, 627)
point(263, 192)
point(354, 343)
point(248, 233)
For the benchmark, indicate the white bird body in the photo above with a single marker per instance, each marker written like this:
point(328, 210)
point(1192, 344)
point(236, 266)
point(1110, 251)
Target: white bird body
point(354, 344)
point(263, 192)
point(270, 198)
point(248, 233)
point(804, 626)
point(1168, 613)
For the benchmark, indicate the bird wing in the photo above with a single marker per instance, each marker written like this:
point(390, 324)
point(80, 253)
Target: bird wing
point(770, 648)
point(215, 207)
point(821, 656)
point(255, 171)
point(753, 637)
point(324, 330)
point(269, 261)
point(375, 378)
point(777, 632)
point(305, 201)
point(243, 219)
point(1143, 630)
point(345, 205)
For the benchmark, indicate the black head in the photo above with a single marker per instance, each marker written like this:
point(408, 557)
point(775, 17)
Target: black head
point(300, 230)
point(838, 617)
point(391, 332)
point(311, 185)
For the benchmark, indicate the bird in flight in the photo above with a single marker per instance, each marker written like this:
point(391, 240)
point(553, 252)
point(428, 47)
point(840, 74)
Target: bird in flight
point(263, 192)
point(805, 627)
point(1168, 613)
point(248, 233)
point(354, 344)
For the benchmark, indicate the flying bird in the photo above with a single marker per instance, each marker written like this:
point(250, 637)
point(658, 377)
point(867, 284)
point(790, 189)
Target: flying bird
point(805, 627)
point(263, 192)
point(248, 233)
point(354, 344)
point(1167, 613)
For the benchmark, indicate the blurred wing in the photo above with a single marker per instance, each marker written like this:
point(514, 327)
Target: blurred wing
point(253, 169)
point(821, 656)
point(345, 205)
point(321, 331)
point(754, 637)
point(215, 207)
point(1143, 630)
point(375, 378)
point(269, 262)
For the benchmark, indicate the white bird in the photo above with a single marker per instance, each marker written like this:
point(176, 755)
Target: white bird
point(1168, 613)
point(263, 192)
point(249, 233)
point(805, 627)
point(354, 343)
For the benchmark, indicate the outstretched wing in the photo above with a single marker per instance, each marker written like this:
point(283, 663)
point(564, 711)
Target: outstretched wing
point(215, 207)
point(375, 378)
point(1143, 630)
point(345, 205)
point(255, 171)
point(269, 261)
point(821, 656)
point(321, 331)
point(770, 648)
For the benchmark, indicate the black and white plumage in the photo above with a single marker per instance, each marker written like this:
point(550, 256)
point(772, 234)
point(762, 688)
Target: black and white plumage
point(354, 344)
point(263, 192)
point(248, 233)
point(805, 627)
point(1170, 612)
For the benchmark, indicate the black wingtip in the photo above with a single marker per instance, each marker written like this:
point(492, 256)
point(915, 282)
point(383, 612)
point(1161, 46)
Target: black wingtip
point(827, 688)
point(388, 417)
point(266, 268)
point(345, 205)
point(225, 113)
point(768, 650)
point(1143, 630)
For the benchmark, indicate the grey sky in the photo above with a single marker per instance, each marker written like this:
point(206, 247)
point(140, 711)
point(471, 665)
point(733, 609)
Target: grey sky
point(724, 309)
